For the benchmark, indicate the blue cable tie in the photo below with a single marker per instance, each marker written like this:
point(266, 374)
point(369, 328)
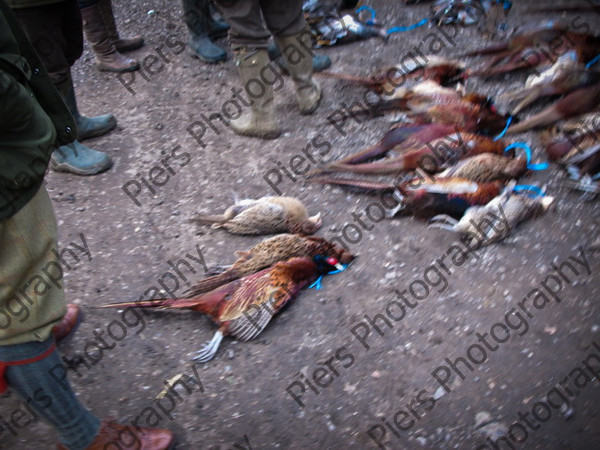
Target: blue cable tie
point(317, 283)
point(524, 146)
point(371, 21)
point(408, 28)
point(529, 188)
point(501, 135)
point(593, 61)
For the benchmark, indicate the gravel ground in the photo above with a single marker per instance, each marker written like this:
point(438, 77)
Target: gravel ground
point(352, 390)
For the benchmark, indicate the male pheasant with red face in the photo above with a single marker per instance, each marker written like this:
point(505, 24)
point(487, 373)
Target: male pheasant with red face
point(268, 252)
point(242, 308)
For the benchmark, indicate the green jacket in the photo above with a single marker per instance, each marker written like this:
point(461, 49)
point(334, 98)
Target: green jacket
point(33, 117)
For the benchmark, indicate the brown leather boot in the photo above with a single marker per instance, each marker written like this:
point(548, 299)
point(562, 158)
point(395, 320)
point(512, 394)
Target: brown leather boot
point(107, 57)
point(111, 434)
point(69, 323)
point(122, 45)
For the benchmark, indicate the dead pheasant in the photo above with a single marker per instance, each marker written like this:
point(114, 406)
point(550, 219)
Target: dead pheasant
point(588, 124)
point(439, 70)
point(242, 308)
point(533, 49)
point(423, 197)
point(564, 81)
point(433, 156)
point(486, 167)
point(421, 97)
point(476, 118)
point(496, 220)
point(268, 252)
point(267, 215)
point(587, 162)
point(563, 147)
point(584, 171)
point(401, 138)
point(452, 196)
point(577, 103)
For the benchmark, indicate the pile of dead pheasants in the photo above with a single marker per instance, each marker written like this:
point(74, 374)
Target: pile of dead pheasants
point(451, 161)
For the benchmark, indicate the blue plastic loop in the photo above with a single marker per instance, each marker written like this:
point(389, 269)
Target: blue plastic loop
point(593, 61)
point(527, 149)
point(529, 188)
point(408, 28)
point(501, 135)
point(371, 21)
point(317, 283)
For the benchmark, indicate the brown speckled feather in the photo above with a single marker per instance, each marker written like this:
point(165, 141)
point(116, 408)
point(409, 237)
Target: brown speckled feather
point(268, 252)
point(267, 215)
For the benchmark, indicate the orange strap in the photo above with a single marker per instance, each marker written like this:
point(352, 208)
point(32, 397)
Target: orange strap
point(4, 365)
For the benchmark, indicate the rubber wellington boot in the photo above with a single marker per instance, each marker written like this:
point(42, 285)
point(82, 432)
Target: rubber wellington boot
point(78, 159)
point(87, 127)
point(121, 45)
point(107, 56)
point(259, 120)
point(201, 26)
point(319, 62)
point(300, 66)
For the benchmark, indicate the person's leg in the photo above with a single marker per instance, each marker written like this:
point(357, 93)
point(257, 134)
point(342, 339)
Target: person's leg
point(32, 235)
point(249, 40)
point(96, 31)
point(247, 28)
point(122, 45)
point(45, 27)
point(283, 17)
point(286, 21)
point(56, 34)
point(30, 312)
point(196, 15)
point(42, 385)
point(320, 62)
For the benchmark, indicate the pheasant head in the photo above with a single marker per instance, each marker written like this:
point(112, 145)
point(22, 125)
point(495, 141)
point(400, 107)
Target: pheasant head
point(307, 226)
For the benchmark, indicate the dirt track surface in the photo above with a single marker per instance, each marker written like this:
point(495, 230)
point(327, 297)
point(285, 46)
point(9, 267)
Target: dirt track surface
point(388, 388)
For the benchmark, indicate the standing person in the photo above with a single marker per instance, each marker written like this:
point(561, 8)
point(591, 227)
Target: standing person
point(249, 35)
point(33, 120)
point(203, 28)
point(101, 32)
point(54, 28)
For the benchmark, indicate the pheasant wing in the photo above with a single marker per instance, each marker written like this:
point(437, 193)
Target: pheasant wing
point(249, 318)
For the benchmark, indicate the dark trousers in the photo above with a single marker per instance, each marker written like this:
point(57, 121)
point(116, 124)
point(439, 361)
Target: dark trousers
point(195, 16)
point(56, 34)
point(253, 21)
point(43, 387)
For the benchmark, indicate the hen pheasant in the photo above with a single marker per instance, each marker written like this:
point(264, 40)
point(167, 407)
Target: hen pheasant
point(496, 220)
point(267, 215)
